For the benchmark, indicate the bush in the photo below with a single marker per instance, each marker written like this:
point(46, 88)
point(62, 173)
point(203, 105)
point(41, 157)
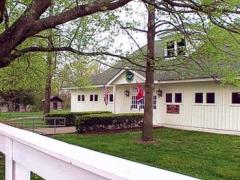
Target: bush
point(71, 116)
point(103, 122)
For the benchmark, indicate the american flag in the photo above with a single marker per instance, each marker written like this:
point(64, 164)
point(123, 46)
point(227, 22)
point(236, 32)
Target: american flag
point(105, 95)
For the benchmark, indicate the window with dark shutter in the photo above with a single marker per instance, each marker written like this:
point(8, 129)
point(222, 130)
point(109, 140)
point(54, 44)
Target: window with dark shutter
point(91, 97)
point(154, 102)
point(199, 98)
point(178, 97)
point(79, 97)
point(83, 97)
point(210, 98)
point(96, 97)
point(110, 97)
point(236, 98)
point(168, 97)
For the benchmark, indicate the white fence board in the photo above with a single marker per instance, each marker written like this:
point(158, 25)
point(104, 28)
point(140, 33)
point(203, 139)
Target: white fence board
point(52, 159)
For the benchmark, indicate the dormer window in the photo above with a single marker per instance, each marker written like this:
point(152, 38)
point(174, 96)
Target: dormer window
point(175, 48)
point(170, 49)
point(181, 47)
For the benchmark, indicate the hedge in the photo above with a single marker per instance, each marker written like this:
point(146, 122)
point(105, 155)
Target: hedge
point(71, 116)
point(103, 122)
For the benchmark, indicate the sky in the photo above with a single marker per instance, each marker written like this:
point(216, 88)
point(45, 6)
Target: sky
point(125, 41)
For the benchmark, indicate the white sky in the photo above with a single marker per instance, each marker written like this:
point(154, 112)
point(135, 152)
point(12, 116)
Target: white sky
point(136, 13)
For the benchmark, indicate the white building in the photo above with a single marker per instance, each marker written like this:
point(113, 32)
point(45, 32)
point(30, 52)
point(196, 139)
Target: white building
point(192, 102)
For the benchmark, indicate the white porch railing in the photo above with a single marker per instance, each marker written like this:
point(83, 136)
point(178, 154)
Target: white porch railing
point(54, 160)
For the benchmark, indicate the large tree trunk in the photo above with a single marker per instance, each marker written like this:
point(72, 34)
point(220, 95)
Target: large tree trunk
point(48, 85)
point(147, 134)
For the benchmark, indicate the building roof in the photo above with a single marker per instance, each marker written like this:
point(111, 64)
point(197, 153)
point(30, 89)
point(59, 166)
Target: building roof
point(54, 98)
point(182, 73)
point(104, 77)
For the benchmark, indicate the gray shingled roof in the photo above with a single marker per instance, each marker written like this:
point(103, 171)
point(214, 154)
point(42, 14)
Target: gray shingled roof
point(104, 77)
point(183, 74)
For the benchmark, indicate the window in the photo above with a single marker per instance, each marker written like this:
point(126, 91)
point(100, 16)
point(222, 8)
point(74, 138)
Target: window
point(81, 97)
point(141, 104)
point(210, 98)
point(178, 97)
point(91, 97)
point(173, 98)
point(236, 98)
point(110, 97)
point(168, 97)
point(181, 47)
point(154, 102)
point(170, 49)
point(176, 48)
point(198, 97)
point(134, 102)
point(96, 97)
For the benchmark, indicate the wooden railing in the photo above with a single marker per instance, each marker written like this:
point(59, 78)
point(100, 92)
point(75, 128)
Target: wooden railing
point(26, 152)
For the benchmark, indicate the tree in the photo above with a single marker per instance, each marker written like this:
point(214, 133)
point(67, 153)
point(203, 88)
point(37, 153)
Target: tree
point(75, 74)
point(22, 78)
point(149, 82)
point(33, 21)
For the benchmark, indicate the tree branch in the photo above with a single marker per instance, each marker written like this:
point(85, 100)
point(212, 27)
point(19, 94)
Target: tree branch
point(2, 9)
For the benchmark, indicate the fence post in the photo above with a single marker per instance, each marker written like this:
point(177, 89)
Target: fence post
point(22, 123)
point(8, 158)
point(54, 126)
point(21, 173)
point(33, 124)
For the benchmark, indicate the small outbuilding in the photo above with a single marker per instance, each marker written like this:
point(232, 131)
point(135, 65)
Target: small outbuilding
point(56, 103)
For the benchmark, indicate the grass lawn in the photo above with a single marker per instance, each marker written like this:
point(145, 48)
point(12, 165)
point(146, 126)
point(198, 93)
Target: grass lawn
point(11, 115)
point(201, 155)
point(24, 120)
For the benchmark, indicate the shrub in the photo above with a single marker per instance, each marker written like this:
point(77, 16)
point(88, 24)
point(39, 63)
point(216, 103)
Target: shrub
point(103, 122)
point(71, 116)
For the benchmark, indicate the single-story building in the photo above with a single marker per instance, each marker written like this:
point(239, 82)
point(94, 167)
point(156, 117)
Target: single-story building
point(56, 103)
point(191, 102)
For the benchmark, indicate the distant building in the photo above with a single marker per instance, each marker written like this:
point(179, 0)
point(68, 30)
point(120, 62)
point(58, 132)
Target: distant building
point(56, 103)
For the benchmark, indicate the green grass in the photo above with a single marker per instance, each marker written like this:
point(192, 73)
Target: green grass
point(25, 122)
point(201, 155)
point(11, 115)
point(23, 119)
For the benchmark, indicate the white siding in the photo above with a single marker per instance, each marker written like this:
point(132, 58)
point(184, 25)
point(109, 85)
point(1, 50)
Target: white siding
point(221, 117)
point(87, 105)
